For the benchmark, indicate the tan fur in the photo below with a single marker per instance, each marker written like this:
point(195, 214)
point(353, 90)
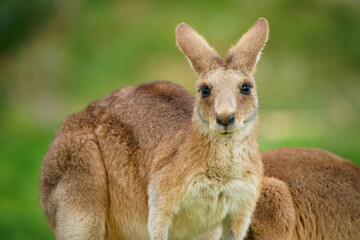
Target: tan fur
point(312, 194)
point(245, 53)
point(202, 57)
point(152, 162)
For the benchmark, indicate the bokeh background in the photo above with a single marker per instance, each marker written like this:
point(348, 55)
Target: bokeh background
point(57, 56)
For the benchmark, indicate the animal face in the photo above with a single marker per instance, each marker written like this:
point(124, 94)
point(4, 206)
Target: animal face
point(226, 100)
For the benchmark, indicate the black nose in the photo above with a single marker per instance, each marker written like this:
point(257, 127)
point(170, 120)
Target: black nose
point(225, 120)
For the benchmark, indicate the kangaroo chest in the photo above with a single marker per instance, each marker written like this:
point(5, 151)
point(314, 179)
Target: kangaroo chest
point(208, 201)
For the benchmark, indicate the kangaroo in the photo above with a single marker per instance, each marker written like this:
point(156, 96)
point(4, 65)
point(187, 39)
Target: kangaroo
point(155, 162)
point(307, 194)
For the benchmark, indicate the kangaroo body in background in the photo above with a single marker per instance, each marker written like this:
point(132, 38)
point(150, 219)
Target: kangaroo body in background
point(307, 194)
point(150, 162)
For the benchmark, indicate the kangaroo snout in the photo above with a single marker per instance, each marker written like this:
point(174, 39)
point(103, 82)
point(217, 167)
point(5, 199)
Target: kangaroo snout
point(225, 119)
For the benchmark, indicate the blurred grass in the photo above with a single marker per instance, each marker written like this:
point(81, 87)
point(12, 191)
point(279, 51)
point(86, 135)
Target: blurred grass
point(58, 56)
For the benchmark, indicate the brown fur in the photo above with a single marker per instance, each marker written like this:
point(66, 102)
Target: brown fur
point(152, 162)
point(201, 56)
point(243, 55)
point(312, 194)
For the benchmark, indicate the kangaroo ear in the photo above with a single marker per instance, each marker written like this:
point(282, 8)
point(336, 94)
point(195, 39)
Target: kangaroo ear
point(202, 57)
point(246, 53)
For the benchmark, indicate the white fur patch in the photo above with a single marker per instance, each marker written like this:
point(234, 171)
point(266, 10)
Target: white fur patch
point(209, 200)
point(76, 225)
point(73, 222)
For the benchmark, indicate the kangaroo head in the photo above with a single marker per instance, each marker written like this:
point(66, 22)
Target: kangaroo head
point(226, 99)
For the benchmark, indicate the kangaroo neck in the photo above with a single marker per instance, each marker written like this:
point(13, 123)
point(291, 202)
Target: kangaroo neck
point(216, 149)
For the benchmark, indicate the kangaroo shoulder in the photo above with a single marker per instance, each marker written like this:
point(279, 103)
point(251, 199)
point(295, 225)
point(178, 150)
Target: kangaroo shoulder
point(167, 91)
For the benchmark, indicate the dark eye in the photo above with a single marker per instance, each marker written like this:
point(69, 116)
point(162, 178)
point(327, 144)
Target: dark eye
point(205, 92)
point(246, 88)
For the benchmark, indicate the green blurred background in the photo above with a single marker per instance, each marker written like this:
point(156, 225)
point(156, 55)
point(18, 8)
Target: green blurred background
point(57, 56)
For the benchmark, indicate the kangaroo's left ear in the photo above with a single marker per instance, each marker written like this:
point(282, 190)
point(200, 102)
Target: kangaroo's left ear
point(246, 53)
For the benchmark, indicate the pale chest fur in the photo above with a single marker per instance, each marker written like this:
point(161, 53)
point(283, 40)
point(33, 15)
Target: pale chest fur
point(215, 193)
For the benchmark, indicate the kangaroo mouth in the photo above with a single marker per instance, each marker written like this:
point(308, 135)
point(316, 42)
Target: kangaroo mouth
point(226, 133)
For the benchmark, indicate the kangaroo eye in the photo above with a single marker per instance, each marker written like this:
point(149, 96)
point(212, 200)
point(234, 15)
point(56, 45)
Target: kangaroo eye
point(246, 88)
point(205, 92)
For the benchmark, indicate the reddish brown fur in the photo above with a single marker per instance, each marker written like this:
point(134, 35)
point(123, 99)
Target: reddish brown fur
point(325, 193)
point(105, 126)
point(152, 162)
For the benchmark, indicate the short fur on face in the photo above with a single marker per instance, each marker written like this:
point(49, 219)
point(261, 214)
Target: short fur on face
point(226, 98)
point(224, 80)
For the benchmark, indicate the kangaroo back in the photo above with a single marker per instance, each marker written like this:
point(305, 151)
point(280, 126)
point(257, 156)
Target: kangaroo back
point(325, 193)
point(101, 145)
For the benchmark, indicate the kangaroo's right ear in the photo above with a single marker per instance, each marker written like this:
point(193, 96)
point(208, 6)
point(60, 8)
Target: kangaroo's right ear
point(202, 57)
point(246, 53)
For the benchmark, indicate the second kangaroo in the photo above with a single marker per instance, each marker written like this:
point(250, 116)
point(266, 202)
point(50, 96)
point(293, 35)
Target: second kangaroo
point(153, 162)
